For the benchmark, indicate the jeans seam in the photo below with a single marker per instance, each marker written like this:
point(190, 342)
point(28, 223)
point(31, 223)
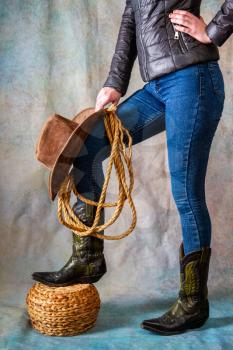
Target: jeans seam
point(213, 79)
point(187, 164)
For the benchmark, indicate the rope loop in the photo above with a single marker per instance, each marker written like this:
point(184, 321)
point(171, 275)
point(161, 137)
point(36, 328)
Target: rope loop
point(115, 132)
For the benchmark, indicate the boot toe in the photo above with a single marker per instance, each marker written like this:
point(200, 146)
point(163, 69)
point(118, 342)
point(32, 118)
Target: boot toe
point(49, 277)
point(41, 274)
point(163, 324)
point(151, 323)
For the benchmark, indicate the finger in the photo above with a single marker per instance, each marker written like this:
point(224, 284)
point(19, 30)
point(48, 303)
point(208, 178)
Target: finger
point(183, 29)
point(183, 18)
point(184, 12)
point(182, 21)
point(99, 105)
point(102, 102)
point(178, 15)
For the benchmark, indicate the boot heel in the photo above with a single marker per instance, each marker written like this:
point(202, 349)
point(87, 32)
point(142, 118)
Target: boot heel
point(198, 323)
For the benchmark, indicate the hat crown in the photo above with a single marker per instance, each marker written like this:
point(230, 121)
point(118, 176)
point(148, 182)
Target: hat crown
point(54, 135)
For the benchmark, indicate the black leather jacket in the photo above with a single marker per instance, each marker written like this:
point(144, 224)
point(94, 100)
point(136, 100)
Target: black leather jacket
point(147, 32)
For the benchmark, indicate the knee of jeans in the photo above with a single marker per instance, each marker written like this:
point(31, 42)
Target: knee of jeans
point(92, 152)
point(124, 108)
point(93, 143)
point(181, 202)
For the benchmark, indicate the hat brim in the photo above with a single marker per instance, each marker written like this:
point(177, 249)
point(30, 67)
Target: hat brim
point(88, 118)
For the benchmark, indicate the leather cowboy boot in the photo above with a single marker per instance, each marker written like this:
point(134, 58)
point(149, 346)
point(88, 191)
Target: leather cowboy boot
point(87, 263)
point(191, 308)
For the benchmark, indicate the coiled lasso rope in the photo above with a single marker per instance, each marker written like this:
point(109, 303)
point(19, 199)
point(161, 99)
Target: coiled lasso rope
point(115, 133)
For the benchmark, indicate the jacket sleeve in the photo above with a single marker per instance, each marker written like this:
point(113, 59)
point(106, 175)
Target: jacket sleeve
point(221, 26)
point(125, 52)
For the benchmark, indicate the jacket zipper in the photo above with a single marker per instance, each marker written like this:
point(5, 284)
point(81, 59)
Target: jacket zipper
point(178, 35)
point(143, 49)
point(183, 42)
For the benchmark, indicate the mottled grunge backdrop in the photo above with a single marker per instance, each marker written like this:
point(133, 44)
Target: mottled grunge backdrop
point(54, 57)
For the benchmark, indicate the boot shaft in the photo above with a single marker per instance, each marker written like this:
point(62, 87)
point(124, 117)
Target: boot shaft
point(194, 269)
point(191, 308)
point(87, 245)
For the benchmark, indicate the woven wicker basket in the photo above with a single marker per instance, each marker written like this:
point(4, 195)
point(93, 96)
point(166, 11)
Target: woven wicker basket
point(63, 311)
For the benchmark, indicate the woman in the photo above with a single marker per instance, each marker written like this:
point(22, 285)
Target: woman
point(184, 95)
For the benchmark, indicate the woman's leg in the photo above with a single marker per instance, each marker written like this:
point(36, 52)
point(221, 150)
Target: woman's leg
point(194, 99)
point(142, 114)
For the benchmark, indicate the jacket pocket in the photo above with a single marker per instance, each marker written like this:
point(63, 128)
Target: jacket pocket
point(183, 42)
point(179, 36)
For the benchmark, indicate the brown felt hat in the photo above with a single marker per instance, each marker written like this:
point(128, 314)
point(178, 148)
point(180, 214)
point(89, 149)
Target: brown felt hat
point(60, 141)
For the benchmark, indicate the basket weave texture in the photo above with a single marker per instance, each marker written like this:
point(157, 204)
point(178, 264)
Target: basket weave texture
point(63, 311)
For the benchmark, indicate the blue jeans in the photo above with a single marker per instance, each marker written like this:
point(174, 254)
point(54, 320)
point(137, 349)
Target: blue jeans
point(188, 104)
